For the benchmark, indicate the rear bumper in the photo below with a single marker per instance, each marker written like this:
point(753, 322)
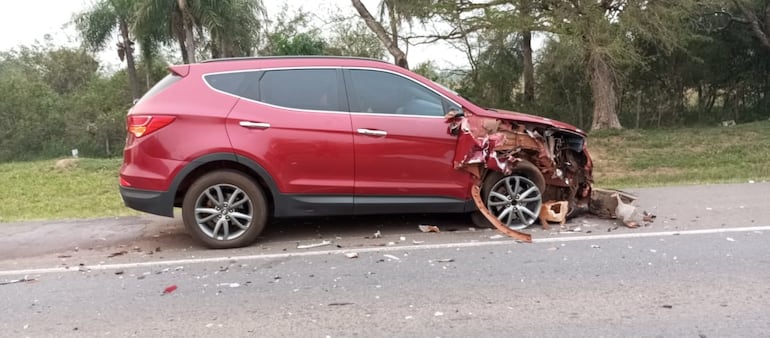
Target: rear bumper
point(149, 201)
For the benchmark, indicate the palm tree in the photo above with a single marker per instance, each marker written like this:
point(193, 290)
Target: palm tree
point(97, 25)
point(230, 25)
point(160, 22)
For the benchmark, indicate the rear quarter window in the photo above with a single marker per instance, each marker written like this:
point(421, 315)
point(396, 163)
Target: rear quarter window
point(164, 83)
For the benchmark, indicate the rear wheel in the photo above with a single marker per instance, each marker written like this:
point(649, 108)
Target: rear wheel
point(224, 209)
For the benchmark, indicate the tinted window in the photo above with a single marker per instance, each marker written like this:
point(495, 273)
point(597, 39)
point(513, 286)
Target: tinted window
point(312, 89)
point(229, 82)
point(386, 93)
point(160, 86)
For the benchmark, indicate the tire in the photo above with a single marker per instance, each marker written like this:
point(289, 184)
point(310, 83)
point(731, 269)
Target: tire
point(224, 209)
point(525, 173)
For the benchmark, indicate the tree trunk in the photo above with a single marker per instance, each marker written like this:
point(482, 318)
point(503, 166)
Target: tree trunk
point(187, 23)
point(529, 68)
point(133, 80)
point(399, 56)
point(763, 35)
point(603, 93)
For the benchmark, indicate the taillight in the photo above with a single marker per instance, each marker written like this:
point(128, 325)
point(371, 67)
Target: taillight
point(140, 125)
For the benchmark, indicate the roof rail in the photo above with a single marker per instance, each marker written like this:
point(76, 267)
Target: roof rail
point(291, 57)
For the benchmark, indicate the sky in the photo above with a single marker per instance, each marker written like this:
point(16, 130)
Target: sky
point(28, 21)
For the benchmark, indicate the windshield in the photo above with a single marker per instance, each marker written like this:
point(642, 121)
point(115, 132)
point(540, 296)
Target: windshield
point(458, 94)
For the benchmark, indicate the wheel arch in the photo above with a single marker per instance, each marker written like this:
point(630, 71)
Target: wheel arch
point(218, 161)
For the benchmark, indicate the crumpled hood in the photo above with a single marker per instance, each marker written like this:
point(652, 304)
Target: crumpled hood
point(516, 116)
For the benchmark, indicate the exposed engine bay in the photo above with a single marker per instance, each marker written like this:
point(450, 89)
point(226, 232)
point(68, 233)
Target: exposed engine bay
point(555, 159)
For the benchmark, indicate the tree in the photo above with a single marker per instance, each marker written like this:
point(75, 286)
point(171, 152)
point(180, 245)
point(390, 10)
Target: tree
point(97, 25)
point(225, 27)
point(606, 32)
point(353, 38)
point(233, 25)
point(760, 24)
point(398, 12)
point(300, 44)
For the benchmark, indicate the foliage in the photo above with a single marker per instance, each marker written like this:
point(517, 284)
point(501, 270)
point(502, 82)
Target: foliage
point(300, 44)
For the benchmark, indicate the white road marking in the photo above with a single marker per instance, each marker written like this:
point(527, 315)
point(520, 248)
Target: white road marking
point(121, 266)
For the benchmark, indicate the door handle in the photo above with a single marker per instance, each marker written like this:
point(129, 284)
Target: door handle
point(254, 125)
point(371, 132)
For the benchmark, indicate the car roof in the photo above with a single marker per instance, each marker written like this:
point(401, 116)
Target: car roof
point(291, 57)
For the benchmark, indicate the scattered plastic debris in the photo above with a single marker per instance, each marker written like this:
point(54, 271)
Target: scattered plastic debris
point(730, 239)
point(445, 260)
point(595, 246)
point(119, 253)
point(553, 211)
point(496, 236)
point(351, 254)
point(417, 242)
point(392, 257)
point(378, 234)
point(428, 228)
point(21, 280)
point(402, 238)
point(169, 289)
point(315, 245)
point(438, 314)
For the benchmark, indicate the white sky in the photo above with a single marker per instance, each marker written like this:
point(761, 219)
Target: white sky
point(24, 22)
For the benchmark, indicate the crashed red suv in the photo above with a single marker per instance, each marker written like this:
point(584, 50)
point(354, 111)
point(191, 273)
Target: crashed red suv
point(235, 142)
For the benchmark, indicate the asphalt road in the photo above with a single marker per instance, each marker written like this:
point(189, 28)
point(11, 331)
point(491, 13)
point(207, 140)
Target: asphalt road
point(701, 270)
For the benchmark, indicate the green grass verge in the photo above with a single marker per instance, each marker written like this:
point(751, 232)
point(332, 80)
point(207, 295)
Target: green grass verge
point(39, 190)
point(622, 159)
point(635, 158)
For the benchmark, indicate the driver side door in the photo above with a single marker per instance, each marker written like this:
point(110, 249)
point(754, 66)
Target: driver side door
point(400, 141)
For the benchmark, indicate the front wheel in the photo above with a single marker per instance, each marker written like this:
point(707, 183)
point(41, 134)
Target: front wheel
point(224, 209)
point(514, 200)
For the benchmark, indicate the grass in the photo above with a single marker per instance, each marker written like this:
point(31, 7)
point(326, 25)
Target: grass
point(628, 158)
point(635, 158)
point(39, 190)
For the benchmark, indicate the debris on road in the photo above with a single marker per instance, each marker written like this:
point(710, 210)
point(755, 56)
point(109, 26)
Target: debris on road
point(730, 239)
point(351, 254)
point(169, 289)
point(378, 234)
point(392, 257)
point(115, 254)
point(445, 260)
point(438, 314)
point(21, 280)
point(428, 228)
point(315, 245)
point(415, 242)
point(553, 211)
point(340, 304)
point(496, 236)
point(595, 246)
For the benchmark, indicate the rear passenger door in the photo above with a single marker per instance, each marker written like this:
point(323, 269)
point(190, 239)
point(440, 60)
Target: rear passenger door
point(401, 142)
point(295, 123)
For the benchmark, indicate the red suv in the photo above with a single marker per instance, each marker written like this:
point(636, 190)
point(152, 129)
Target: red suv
point(235, 142)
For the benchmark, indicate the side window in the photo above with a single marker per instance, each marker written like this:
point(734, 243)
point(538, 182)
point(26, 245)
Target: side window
point(231, 83)
point(312, 89)
point(387, 93)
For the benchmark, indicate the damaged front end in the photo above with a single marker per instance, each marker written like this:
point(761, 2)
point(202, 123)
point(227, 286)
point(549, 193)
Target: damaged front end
point(550, 155)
